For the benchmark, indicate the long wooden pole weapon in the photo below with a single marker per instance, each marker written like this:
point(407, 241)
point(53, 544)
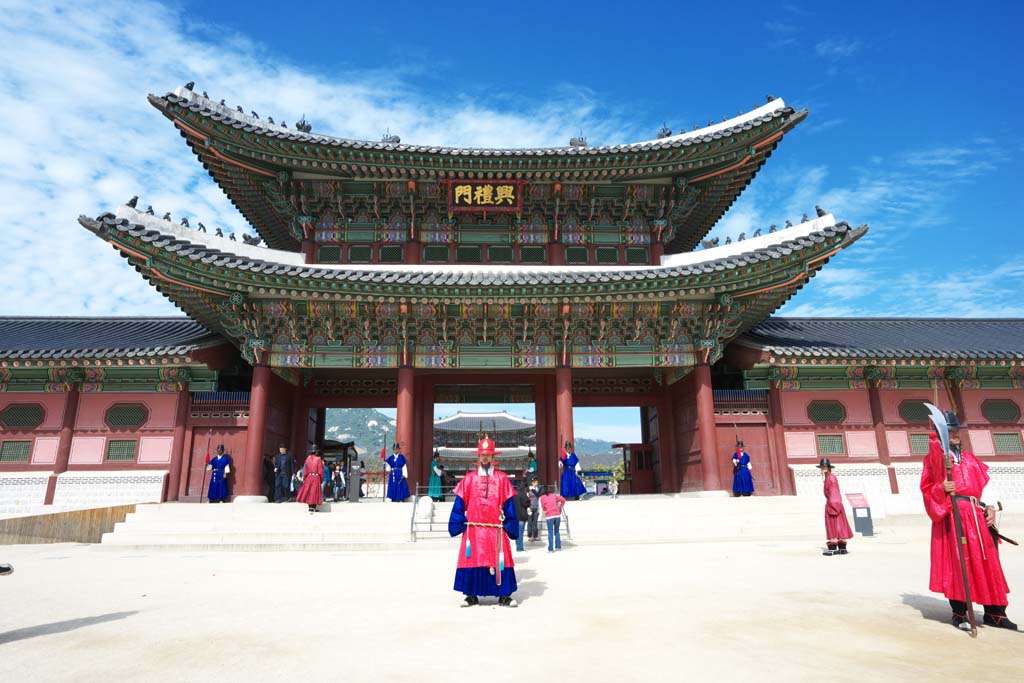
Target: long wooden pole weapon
point(206, 464)
point(958, 526)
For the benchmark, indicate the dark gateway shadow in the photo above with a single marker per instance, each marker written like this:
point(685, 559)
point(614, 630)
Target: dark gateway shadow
point(60, 626)
point(935, 609)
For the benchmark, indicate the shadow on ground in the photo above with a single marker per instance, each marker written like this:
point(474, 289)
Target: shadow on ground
point(935, 609)
point(61, 626)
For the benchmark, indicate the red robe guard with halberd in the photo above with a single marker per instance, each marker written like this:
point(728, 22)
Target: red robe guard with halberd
point(984, 571)
point(312, 492)
point(836, 525)
point(484, 498)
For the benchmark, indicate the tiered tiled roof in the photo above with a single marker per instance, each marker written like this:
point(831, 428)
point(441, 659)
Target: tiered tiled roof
point(243, 153)
point(492, 423)
point(844, 338)
point(35, 338)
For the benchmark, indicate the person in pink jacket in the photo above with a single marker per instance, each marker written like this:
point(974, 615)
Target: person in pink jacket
point(551, 505)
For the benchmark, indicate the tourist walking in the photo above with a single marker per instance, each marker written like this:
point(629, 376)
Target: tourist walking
point(552, 504)
point(484, 513)
point(283, 470)
point(220, 468)
point(435, 489)
point(311, 492)
point(531, 466)
point(522, 514)
point(532, 530)
point(970, 491)
point(268, 476)
point(742, 481)
point(570, 485)
point(398, 473)
point(338, 479)
point(837, 527)
point(613, 486)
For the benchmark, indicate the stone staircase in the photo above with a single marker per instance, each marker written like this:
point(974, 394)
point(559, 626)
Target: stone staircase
point(374, 525)
point(368, 525)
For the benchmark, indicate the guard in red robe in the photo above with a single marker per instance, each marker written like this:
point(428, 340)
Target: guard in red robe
point(485, 515)
point(837, 528)
point(312, 491)
point(968, 490)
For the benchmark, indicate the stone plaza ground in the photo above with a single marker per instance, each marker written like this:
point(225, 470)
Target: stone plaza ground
point(732, 610)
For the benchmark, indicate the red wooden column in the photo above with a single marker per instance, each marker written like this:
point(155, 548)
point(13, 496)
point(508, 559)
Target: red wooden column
point(411, 253)
point(178, 449)
point(563, 408)
point(706, 428)
point(405, 413)
point(879, 424)
point(250, 470)
point(300, 423)
point(786, 482)
point(67, 432)
point(666, 443)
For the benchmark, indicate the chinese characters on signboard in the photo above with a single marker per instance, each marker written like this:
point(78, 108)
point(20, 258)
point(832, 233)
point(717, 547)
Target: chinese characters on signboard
point(476, 195)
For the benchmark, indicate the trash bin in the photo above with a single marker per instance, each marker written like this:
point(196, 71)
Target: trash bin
point(861, 514)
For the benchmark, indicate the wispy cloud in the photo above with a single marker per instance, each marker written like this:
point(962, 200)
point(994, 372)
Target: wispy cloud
point(80, 137)
point(895, 270)
point(781, 33)
point(837, 48)
point(825, 125)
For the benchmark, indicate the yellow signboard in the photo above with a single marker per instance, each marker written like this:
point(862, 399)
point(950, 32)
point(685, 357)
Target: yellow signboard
point(484, 195)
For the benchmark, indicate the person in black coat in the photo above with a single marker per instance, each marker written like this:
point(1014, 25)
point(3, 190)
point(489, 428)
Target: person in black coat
point(268, 476)
point(284, 467)
point(522, 503)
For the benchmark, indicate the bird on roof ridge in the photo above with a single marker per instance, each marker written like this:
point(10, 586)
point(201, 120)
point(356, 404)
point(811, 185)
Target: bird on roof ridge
point(820, 211)
point(149, 209)
point(133, 201)
point(167, 216)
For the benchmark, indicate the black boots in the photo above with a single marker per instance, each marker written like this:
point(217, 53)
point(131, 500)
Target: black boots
point(470, 601)
point(996, 616)
point(842, 548)
point(506, 601)
point(833, 549)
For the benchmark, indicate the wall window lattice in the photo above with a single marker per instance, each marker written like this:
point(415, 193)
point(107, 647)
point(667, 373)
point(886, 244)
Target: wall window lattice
point(500, 254)
point(576, 256)
point(15, 451)
point(637, 256)
point(826, 412)
point(126, 416)
point(831, 444)
point(120, 450)
point(22, 416)
point(360, 253)
point(1007, 442)
point(913, 411)
point(468, 254)
point(919, 444)
point(435, 253)
point(392, 253)
point(533, 255)
point(330, 254)
point(1000, 410)
point(607, 256)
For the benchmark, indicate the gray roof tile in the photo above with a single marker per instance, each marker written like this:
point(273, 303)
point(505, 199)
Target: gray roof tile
point(100, 337)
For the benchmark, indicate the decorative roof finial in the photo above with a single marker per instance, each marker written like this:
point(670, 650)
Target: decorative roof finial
point(390, 138)
point(190, 85)
point(303, 125)
point(664, 132)
point(578, 141)
point(820, 211)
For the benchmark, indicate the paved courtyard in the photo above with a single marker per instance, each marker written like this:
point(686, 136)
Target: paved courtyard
point(733, 610)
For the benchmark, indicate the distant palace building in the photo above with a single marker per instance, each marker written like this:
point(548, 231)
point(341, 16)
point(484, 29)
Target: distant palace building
point(400, 275)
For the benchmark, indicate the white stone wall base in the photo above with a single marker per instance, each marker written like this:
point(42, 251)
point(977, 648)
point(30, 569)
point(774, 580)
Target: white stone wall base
point(249, 499)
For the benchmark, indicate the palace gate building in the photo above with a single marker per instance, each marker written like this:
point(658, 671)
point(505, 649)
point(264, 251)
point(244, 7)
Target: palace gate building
point(399, 275)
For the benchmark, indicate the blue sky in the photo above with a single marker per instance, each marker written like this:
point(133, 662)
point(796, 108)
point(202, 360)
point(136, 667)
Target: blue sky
point(914, 124)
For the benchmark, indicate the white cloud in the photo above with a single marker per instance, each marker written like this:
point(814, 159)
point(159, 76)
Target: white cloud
point(837, 48)
point(79, 136)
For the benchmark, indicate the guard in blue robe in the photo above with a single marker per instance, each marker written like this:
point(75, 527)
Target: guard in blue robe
point(220, 468)
point(398, 470)
point(742, 481)
point(570, 486)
